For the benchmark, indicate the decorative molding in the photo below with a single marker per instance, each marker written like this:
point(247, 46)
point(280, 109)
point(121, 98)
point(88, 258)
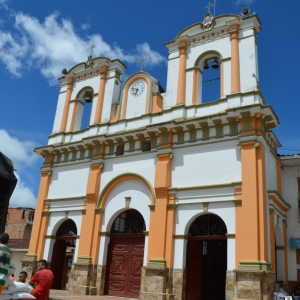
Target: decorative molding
point(105, 233)
point(152, 207)
point(127, 202)
point(99, 211)
point(180, 237)
point(172, 206)
point(84, 259)
point(30, 257)
point(279, 247)
point(146, 233)
point(157, 262)
point(203, 187)
point(205, 206)
point(52, 237)
point(83, 211)
point(230, 235)
point(46, 213)
point(66, 214)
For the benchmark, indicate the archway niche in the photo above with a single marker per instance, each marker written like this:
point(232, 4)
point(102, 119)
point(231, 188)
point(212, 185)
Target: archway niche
point(206, 260)
point(125, 255)
point(63, 253)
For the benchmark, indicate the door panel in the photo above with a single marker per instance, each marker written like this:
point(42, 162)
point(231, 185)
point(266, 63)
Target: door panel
point(125, 262)
point(194, 269)
point(57, 263)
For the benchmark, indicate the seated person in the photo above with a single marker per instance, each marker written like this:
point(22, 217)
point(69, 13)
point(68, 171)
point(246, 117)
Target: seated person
point(297, 292)
point(23, 276)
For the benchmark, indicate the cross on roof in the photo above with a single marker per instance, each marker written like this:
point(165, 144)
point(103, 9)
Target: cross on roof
point(209, 5)
point(141, 61)
point(92, 48)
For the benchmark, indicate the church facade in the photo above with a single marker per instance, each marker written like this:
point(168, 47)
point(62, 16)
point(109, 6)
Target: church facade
point(162, 195)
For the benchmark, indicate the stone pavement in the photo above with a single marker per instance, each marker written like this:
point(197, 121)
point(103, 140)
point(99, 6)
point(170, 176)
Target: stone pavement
point(64, 295)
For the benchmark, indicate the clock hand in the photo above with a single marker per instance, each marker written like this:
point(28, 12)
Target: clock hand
point(136, 91)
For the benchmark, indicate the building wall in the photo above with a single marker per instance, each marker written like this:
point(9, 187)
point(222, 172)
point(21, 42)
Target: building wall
point(290, 193)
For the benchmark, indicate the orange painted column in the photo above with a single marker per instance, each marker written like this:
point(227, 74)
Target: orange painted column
point(286, 266)
point(37, 239)
point(171, 214)
point(74, 115)
point(181, 88)
point(159, 217)
point(235, 58)
point(250, 225)
point(279, 183)
point(65, 115)
point(263, 204)
point(195, 86)
point(272, 240)
point(100, 101)
point(238, 226)
point(88, 220)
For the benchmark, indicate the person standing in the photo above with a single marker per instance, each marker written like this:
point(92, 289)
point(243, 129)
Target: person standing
point(5, 258)
point(43, 277)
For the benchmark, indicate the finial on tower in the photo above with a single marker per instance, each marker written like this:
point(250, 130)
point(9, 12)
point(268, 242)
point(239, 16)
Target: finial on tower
point(141, 61)
point(209, 5)
point(89, 63)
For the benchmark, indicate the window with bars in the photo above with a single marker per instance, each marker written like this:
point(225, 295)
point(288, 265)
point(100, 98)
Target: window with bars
point(233, 128)
point(192, 135)
point(219, 131)
point(205, 133)
point(180, 137)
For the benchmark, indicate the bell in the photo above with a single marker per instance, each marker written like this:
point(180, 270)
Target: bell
point(206, 67)
point(215, 64)
point(88, 99)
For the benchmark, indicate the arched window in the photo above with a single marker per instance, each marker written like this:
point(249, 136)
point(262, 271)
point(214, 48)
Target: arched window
point(129, 221)
point(211, 79)
point(208, 225)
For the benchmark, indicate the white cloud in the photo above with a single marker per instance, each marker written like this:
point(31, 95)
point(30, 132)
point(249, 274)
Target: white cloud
point(55, 44)
point(22, 196)
point(19, 152)
point(3, 3)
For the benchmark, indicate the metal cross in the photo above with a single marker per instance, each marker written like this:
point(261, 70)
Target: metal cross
point(209, 5)
point(141, 61)
point(92, 48)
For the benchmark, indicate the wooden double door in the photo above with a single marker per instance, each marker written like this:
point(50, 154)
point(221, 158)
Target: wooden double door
point(206, 267)
point(124, 265)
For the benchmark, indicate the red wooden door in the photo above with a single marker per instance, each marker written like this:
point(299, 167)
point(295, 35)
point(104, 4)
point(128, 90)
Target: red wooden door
point(57, 262)
point(124, 265)
point(194, 269)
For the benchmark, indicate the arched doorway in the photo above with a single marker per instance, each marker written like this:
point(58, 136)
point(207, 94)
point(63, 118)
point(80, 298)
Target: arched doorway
point(206, 261)
point(63, 252)
point(125, 255)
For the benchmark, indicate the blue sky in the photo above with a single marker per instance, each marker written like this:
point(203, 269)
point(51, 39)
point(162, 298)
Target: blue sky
point(40, 38)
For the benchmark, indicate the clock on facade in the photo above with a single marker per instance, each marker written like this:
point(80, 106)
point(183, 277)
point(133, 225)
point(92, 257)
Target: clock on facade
point(137, 88)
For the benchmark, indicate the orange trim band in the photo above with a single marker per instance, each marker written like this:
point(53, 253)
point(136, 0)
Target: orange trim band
point(278, 203)
point(37, 239)
point(64, 119)
point(235, 59)
point(278, 173)
point(75, 109)
point(100, 101)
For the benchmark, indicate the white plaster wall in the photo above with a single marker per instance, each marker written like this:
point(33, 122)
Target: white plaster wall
point(71, 109)
point(206, 165)
point(227, 77)
point(248, 63)
point(115, 204)
point(172, 81)
point(78, 120)
point(59, 112)
point(271, 172)
point(18, 255)
point(143, 165)
point(189, 87)
point(221, 45)
point(110, 90)
point(68, 181)
point(290, 195)
point(91, 82)
point(280, 265)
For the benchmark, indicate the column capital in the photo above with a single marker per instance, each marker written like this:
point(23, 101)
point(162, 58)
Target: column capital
point(103, 72)
point(182, 46)
point(271, 211)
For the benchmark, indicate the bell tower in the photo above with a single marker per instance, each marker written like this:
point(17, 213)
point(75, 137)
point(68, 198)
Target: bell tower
point(229, 41)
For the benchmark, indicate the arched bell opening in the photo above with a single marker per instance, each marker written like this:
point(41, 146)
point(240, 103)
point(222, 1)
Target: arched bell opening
point(125, 255)
point(206, 261)
point(82, 109)
point(63, 253)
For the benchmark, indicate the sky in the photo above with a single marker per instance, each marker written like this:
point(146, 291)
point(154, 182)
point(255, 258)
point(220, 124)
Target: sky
point(40, 38)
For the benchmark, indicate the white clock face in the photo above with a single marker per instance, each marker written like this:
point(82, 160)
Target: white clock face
point(138, 88)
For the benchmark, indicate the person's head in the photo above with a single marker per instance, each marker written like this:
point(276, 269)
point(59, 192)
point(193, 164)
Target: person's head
point(4, 238)
point(23, 276)
point(42, 264)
